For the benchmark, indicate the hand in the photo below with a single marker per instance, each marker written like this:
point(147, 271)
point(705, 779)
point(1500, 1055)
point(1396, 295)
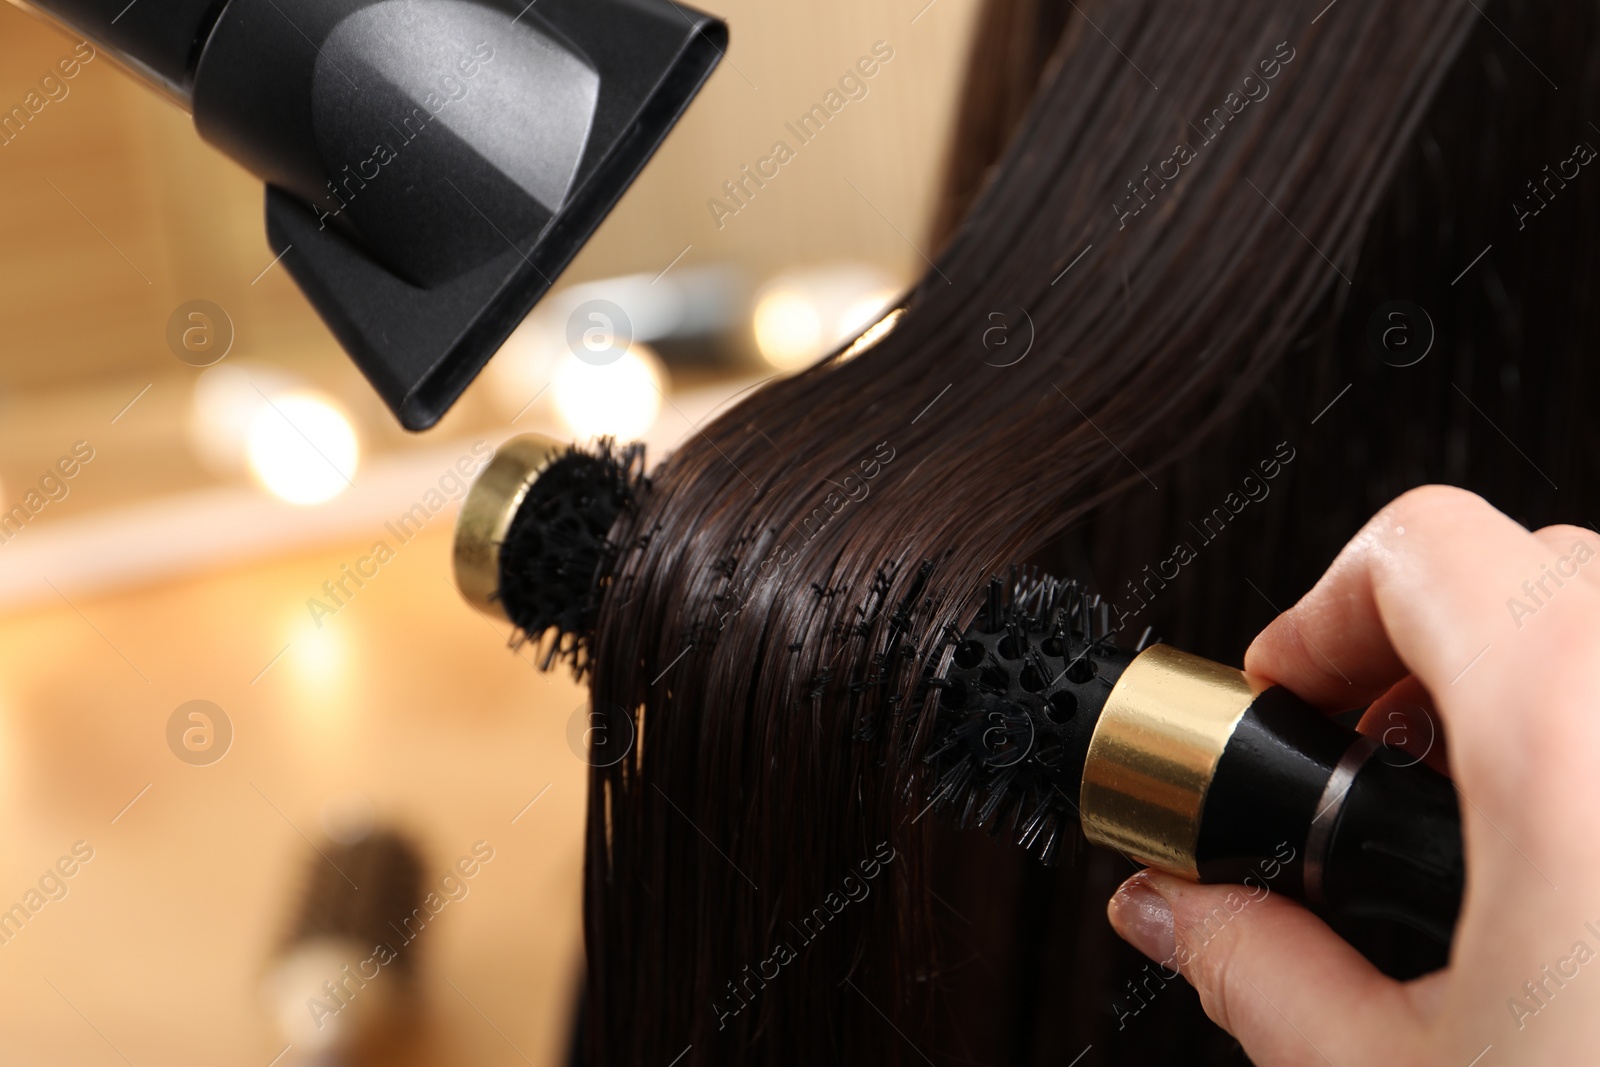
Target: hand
point(1438, 595)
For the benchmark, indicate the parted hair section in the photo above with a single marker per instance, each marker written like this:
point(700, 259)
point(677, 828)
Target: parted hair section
point(1182, 216)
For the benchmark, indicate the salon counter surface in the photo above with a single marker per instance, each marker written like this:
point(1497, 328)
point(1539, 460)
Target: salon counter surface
point(401, 704)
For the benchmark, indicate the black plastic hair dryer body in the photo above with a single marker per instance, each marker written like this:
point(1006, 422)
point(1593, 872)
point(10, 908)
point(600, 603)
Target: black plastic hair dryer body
point(431, 165)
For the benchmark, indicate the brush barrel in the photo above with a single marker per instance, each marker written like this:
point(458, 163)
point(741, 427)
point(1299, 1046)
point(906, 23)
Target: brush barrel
point(1214, 775)
point(487, 513)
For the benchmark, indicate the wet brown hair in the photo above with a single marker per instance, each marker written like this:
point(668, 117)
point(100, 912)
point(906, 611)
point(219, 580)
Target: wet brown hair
point(772, 613)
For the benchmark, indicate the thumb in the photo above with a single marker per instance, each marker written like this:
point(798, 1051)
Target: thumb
point(1268, 971)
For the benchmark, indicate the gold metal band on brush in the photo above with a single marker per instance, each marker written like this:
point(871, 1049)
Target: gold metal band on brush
point(486, 515)
point(1154, 751)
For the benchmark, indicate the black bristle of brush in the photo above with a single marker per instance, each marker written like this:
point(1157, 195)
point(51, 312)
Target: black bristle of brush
point(557, 558)
point(1017, 707)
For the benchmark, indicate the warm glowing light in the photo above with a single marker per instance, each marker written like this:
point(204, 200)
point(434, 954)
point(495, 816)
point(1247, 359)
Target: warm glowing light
point(864, 312)
point(226, 399)
point(788, 329)
point(619, 399)
point(318, 660)
point(802, 315)
point(872, 335)
point(520, 372)
point(302, 448)
point(11, 773)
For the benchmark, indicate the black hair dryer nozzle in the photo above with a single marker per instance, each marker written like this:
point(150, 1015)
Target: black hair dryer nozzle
point(431, 165)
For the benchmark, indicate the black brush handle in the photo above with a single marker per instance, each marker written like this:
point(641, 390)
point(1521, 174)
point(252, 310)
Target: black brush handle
point(1314, 809)
point(1395, 850)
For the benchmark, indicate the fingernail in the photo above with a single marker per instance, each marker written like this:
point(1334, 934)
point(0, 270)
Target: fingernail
point(1143, 918)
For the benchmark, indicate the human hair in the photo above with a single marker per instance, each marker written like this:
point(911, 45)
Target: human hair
point(799, 563)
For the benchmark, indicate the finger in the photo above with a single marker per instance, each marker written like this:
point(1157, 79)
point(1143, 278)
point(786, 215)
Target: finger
point(1325, 651)
point(1573, 547)
point(1405, 718)
point(1237, 946)
point(1423, 589)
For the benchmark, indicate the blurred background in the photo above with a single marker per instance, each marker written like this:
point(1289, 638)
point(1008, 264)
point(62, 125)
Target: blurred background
point(214, 683)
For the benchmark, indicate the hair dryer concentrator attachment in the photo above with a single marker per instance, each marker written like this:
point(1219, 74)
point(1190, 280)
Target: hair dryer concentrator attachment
point(431, 165)
point(160, 45)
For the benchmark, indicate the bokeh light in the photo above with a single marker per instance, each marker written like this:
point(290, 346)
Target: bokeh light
point(788, 329)
point(302, 448)
point(802, 315)
point(620, 399)
point(225, 401)
point(872, 335)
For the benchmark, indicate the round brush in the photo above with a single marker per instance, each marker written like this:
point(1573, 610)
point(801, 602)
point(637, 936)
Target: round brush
point(1043, 721)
